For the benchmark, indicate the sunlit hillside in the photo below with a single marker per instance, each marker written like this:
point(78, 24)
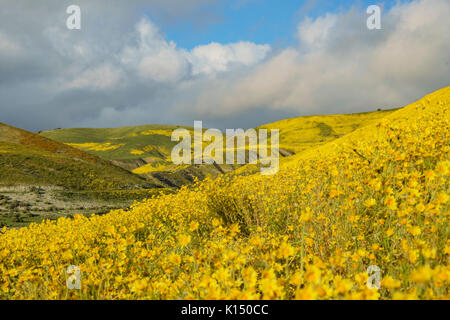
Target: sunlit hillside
point(126, 143)
point(377, 197)
point(146, 150)
point(302, 133)
point(44, 179)
point(28, 158)
point(297, 135)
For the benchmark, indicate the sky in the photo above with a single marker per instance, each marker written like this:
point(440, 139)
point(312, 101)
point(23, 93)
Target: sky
point(259, 21)
point(229, 63)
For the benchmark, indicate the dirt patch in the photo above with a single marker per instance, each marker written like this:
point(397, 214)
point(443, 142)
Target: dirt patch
point(22, 205)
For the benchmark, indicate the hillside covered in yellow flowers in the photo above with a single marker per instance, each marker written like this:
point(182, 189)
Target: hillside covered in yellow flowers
point(146, 150)
point(377, 196)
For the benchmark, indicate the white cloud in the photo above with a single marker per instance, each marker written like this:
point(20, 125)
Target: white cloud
point(157, 59)
point(100, 78)
point(215, 57)
point(314, 34)
point(340, 66)
point(153, 58)
point(121, 70)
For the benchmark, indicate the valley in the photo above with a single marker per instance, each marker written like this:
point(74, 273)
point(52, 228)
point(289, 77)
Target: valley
point(63, 172)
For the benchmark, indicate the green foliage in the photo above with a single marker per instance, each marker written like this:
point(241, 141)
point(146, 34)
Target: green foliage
point(29, 159)
point(156, 146)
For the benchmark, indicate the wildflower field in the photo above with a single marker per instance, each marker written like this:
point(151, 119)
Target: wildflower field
point(146, 150)
point(378, 196)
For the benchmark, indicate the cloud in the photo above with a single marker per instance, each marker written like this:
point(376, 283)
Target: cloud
point(153, 58)
point(100, 78)
point(215, 57)
point(314, 33)
point(341, 66)
point(120, 69)
point(8, 47)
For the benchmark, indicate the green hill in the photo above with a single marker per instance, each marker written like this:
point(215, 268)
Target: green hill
point(125, 143)
point(44, 179)
point(302, 133)
point(145, 150)
point(30, 159)
point(298, 135)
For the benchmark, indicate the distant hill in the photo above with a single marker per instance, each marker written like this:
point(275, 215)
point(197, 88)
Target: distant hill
point(433, 101)
point(302, 133)
point(120, 144)
point(30, 159)
point(146, 149)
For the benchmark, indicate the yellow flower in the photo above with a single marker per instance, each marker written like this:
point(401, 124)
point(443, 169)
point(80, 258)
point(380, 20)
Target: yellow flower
point(420, 207)
point(370, 202)
point(307, 293)
point(391, 203)
point(296, 278)
point(442, 197)
point(342, 285)
point(429, 253)
point(286, 250)
point(235, 228)
point(421, 275)
point(185, 240)
point(269, 285)
point(447, 249)
point(312, 274)
point(443, 167)
point(415, 231)
point(139, 285)
point(215, 222)
point(193, 226)
point(249, 274)
point(390, 283)
point(306, 215)
point(174, 259)
point(413, 255)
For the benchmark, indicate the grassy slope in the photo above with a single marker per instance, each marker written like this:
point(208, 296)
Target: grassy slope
point(146, 149)
point(347, 142)
point(299, 134)
point(296, 134)
point(28, 158)
point(157, 145)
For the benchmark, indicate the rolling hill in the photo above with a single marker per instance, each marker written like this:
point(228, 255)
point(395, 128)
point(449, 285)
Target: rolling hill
point(298, 135)
point(145, 150)
point(302, 133)
point(44, 179)
point(30, 159)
